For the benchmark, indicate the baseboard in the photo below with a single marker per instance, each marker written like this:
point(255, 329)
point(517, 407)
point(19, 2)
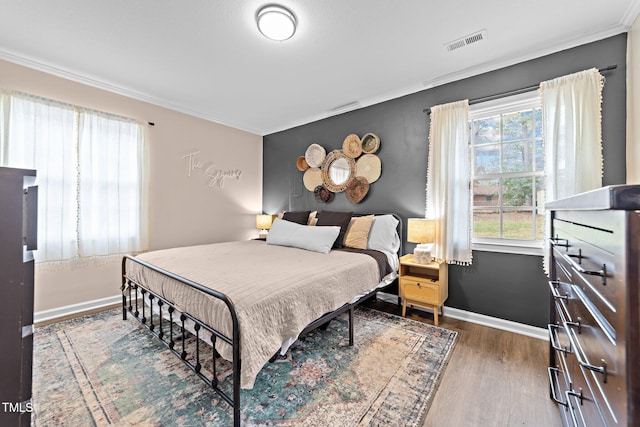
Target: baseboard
point(494, 322)
point(481, 319)
point(468, 316)
point(47, 316)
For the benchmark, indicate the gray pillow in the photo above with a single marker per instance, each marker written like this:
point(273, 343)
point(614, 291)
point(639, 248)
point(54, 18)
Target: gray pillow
point(317, 239)
point(383, 235)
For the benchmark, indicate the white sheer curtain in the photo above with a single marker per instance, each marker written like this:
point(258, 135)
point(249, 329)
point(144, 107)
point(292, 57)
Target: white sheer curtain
point(448, 182)
point(90, 173)
point(572, 133)
point(112, 189)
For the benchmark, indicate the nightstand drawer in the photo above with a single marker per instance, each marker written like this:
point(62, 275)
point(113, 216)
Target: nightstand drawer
point(418, 290)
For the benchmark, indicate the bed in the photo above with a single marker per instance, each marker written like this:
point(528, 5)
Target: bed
point(250, 300)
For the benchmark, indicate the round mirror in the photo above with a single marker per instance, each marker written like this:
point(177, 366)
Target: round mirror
point(337, 171)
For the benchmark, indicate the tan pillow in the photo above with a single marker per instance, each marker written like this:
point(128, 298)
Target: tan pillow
point(312, 218)
point(358, 232)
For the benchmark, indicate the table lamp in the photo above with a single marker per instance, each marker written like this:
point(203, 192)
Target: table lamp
point(423, 232)
point(263, 223)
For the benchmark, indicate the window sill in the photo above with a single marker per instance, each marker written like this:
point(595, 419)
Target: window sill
point(533, 248)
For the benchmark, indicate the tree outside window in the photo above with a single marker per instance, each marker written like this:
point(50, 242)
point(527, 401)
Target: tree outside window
point(507, 151)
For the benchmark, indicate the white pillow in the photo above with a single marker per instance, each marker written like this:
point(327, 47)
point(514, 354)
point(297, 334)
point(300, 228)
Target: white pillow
point(317, 239)
point(383, 235)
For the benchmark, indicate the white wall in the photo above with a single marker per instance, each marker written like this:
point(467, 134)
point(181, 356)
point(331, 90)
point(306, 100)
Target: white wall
point(633, 103)
point(184, 210)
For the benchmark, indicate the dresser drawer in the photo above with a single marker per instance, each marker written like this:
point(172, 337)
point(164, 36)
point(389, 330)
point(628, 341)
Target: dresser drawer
point(594, 271)
point(599, 358)
point(425, 291)
point(583, 407)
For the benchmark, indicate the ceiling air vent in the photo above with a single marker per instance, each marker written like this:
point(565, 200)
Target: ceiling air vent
point(466, 40)
point(345, 107)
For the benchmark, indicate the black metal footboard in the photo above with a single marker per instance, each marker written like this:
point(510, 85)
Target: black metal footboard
point(133, 302)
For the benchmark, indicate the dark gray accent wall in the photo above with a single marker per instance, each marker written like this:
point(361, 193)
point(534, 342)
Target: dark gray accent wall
point(507, 286)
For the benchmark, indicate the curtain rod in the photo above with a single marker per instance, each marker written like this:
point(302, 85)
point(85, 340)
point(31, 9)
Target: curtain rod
point(515, 91)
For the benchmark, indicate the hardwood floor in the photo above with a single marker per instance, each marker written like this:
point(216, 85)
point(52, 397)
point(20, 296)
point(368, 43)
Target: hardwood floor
point(494, 378)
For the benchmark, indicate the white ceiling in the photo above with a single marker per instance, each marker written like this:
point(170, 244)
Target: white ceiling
point(207, 58)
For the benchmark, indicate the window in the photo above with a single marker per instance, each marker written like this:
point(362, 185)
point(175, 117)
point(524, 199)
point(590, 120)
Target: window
point(507, 152)
point(90, 174)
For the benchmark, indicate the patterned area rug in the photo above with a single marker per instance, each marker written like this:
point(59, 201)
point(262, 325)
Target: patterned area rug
point(100, 370)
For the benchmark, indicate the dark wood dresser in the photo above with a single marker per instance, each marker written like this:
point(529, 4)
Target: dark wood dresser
point(594, 327)
point(18, 238)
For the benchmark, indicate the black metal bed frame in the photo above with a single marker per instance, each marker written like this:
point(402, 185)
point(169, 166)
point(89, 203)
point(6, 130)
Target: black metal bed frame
point(133, 302)
point(134, 295)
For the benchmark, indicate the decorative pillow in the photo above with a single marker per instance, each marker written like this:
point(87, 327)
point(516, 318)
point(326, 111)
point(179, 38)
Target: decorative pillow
point(383, 235)
point(313, 218)
point(299, 217)
point(340, 219)
point(358, 232)
point(287, 233)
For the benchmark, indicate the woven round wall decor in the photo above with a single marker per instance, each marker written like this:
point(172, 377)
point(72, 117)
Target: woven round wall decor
point(302, 164)
point(312, 178)
point(352, 146)
point(370, 143)
point(369, 166)
point(357, 189)
point(315, 156)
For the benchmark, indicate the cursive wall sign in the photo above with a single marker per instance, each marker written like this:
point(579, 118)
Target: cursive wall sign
point(209, 169)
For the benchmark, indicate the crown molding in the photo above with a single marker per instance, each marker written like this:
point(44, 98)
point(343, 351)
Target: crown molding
point(466, 73)
point(119, 90)
point(630, 16)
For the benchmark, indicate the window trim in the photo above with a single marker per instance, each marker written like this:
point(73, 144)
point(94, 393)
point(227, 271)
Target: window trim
point(504, 105)
point(510, 246)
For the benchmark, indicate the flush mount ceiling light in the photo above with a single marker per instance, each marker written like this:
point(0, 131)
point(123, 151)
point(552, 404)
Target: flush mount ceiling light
point(276, 22)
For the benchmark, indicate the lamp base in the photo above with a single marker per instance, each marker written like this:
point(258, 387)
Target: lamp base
point(263, 234)
point(422, 254)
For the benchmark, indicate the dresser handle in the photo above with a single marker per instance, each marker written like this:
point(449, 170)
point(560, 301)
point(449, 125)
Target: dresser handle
point(602, 369)
point(560, 298)
point(554, 290)
point(578, 268)
point(555, 241)
point(554, 372)
point(572, 411)
point(552, 339)
point(576, 324)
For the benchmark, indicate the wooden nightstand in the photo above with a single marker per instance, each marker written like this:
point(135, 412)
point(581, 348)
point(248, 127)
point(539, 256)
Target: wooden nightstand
point(423, 285)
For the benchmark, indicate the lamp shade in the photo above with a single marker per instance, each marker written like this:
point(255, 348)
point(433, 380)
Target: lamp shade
point(263, 222)
point(421, 230)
